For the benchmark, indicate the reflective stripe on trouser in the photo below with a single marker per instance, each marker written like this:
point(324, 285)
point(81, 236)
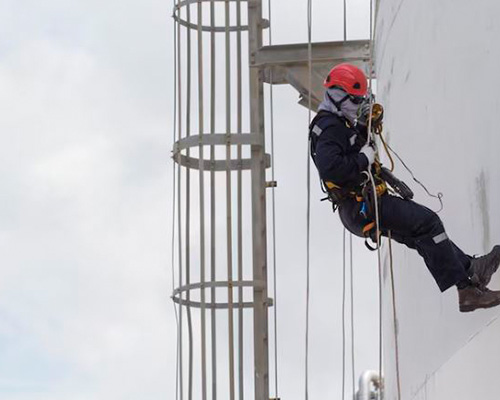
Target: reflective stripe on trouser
point(417, 227)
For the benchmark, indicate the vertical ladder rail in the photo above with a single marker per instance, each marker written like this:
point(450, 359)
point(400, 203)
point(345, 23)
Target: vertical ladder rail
point(259, 232)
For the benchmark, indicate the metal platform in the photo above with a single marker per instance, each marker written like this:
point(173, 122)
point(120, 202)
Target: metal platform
point(288, 64)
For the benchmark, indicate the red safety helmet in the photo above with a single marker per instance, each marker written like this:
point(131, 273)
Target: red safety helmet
point(348, 77)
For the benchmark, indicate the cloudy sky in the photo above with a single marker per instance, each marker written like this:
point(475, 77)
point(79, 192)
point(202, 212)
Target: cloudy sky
point(86, 129)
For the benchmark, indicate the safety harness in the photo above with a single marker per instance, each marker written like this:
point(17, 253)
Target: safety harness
point(362, 193)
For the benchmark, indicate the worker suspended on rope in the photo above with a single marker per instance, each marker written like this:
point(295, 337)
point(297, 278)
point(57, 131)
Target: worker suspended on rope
point(342, 154)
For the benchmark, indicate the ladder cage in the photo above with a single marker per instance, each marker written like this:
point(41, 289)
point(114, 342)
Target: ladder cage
point(220, 163)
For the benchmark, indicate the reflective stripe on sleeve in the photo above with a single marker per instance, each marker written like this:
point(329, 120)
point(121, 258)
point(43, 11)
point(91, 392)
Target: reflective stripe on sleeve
point(317, 130)
point(353, 139)
point(440, 238)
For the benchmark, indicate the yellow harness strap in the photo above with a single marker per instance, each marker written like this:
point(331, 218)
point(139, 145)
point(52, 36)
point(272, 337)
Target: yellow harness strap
point(331, 185)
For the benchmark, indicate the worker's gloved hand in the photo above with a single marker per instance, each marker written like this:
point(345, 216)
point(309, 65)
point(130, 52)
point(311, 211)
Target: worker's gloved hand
point(363, 114)
point(369, 151)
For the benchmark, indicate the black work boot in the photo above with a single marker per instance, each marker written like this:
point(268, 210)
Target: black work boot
point(485, 266)
point(472, 297)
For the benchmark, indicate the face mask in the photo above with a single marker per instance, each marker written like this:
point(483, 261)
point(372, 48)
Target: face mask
point(350, 110)
point(341, 103)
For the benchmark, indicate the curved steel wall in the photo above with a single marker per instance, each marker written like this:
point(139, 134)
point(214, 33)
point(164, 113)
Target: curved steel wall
point(437, 68)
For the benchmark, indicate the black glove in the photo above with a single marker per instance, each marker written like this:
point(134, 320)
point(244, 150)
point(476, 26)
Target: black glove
point(397, 185)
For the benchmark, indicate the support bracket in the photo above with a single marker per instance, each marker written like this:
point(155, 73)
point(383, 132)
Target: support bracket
point(289, 64)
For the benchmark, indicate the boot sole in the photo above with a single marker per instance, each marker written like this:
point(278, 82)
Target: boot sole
point(471, 308)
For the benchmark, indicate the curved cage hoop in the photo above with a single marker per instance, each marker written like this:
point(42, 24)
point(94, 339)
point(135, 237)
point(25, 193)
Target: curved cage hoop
point(207, 28)
point(219, 139)
point(177, 294)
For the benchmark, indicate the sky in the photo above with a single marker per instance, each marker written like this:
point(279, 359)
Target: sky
point(86, 199)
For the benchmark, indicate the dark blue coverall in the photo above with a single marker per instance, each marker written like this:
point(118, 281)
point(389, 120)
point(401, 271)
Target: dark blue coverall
point(335, 151)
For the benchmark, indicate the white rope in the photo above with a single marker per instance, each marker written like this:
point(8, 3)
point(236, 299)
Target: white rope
point(239, 196)
point(379, 260)
point(308, 184)
point(213, 298)
point(394, 318)
point(179, 194)
point(438, 196)
point(188, 207)
point(344, 280)
point(352, 319)
point(173, 286)
point(343, 312)
point(229, 213)
point(201, 204)
point(174, 130)
point(377, 216)
point(273, 207)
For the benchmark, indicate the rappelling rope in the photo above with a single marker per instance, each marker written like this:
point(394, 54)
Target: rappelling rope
point(352, 319)
point(213, 318)
point(379, 261)
point(395, 319)
point(174, 130)
point(343, 312)
point(308, 185)
point(187, 248)
point(388, 150)
point(273, 206)
point(438, 196)
point(343, 260)
point(173, 288)
point(377, 217)
point(178, 106)
point(351, 283)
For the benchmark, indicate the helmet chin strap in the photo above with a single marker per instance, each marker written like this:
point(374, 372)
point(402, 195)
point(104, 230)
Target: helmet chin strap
point(337, 104)
point(349, 114)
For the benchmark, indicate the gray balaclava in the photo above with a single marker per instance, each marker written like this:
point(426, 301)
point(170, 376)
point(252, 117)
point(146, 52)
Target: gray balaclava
point(348, 109)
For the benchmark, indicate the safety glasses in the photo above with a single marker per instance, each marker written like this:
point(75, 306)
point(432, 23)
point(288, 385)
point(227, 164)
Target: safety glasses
point(357, 99)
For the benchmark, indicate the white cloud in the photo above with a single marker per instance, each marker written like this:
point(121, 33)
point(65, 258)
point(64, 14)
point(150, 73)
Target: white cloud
point(84, 288)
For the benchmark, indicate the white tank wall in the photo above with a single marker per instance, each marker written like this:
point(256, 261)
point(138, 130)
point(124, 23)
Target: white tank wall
point(437, 66)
